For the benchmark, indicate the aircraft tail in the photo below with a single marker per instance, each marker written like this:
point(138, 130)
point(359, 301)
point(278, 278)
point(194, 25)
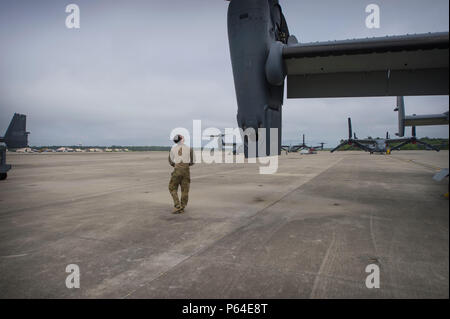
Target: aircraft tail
point(401, 116)
point(16, 135)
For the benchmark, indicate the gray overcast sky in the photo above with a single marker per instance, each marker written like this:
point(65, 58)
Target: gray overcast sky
point(137, 69)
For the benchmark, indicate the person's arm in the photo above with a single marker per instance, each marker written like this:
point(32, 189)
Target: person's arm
point(172, 163)
point(192, 161)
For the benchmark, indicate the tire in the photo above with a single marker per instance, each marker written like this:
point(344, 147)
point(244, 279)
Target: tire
point(3, 176)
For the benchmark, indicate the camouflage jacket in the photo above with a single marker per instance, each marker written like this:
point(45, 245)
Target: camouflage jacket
point(181, 156)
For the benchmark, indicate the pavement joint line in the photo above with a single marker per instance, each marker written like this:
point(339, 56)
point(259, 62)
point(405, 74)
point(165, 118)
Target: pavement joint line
point(14, 256)
point(249, 221)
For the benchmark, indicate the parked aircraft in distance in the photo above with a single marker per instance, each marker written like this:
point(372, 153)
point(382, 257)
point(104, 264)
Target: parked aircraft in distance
point(380, 145)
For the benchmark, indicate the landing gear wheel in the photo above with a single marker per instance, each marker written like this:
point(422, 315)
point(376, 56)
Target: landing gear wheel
point(3, 176)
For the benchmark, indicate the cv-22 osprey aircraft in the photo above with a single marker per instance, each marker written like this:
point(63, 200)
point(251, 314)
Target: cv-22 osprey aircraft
point(16, 136)
point(221, 143)
point(417, 120)
point(381, 145)
point(264, 53)
point(296, 148)
point(320, 146)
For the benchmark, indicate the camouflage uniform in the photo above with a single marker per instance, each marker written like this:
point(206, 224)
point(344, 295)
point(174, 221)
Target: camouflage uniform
point(181, 174)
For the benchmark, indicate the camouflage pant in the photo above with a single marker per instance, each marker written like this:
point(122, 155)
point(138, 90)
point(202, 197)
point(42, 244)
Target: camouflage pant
point(180, 177)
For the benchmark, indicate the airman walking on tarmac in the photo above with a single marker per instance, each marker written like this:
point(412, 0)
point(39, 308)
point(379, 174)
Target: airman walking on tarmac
point(181, 157)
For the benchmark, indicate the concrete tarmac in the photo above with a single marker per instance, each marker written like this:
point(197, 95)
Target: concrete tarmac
point(308, 231)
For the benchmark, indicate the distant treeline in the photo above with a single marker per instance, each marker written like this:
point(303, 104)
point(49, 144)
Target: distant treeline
point(441, 143)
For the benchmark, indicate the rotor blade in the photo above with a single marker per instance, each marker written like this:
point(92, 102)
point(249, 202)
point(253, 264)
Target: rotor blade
point(401, 144)
point(428, 145)
point(339, 146)
point(349, 128)
point(362, 146)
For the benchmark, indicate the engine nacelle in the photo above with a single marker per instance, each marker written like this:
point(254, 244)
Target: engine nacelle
point(257, 32)
point(401, 116)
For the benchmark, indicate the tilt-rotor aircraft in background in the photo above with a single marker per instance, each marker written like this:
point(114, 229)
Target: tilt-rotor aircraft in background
point(263, 54)
point(303, 146)
point(381, 145)
point(16, 136)
point(222, 145)
point(295, 148)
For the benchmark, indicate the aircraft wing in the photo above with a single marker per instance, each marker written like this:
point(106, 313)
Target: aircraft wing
point(384, 66)
point(391, 140)
point(427, 119)
point(365, 141)
point(398, 140)
point(295, 148)
point(362, 145)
